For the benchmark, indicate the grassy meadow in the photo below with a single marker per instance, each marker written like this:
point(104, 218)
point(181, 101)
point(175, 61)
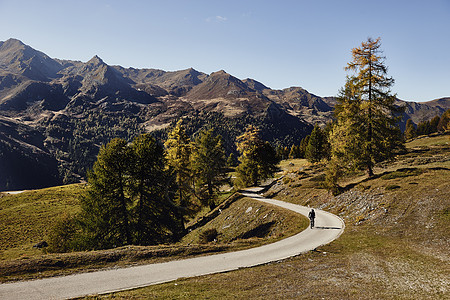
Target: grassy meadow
point(26, 218)
point(395, 246)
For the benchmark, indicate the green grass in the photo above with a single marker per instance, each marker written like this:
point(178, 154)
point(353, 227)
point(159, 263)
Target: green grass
point(406, 172)
point(429, 141)
point(395, 245)
point(239, 227)
point(246, 217)
point(25, 218)
point(359, 265)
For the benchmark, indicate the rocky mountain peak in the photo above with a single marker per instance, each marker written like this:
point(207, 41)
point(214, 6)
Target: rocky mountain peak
point(96, 61)
point(256, 85)
point(19, 58)
point(11, 44)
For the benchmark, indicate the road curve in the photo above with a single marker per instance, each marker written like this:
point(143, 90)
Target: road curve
point(328, 228)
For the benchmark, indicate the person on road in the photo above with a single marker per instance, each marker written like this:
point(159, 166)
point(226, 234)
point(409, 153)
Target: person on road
point(312, 216)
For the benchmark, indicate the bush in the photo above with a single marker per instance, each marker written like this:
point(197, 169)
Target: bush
point(65, 235)
point(208, 235)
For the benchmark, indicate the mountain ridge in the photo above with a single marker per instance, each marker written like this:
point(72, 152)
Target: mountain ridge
point(77, 106)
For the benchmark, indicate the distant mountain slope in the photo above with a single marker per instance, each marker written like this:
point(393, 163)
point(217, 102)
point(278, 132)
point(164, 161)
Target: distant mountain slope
point(71, 108)
point(24, 161)
point(422, 111)
point(20, 59)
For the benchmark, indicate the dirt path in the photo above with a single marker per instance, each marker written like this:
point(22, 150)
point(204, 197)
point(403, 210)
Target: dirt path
point(328, 228)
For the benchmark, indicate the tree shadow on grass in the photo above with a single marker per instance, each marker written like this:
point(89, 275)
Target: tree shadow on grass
point(399, 173)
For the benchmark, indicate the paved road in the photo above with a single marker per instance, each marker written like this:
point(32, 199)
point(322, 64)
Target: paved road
point(328, 227)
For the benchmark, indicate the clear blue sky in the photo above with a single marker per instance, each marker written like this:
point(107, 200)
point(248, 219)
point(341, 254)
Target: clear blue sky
point(279, 43)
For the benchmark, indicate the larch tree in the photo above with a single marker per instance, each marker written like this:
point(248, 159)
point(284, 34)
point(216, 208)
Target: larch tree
point(365, 130)
point(208, 162)
point(410, 130)
point(178, 153)
point(105, 209)
point(258, 160)
point(316, 148)
point(444, 122)
point(156, 218)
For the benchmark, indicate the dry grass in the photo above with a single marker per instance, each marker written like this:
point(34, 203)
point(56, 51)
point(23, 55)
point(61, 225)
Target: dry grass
point(240, 225)
point(289, 165)
point(25, 218)
point(396, 244)
point(247, 218)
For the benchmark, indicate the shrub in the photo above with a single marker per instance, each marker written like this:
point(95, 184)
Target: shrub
point(208, 235)
point(62, 237)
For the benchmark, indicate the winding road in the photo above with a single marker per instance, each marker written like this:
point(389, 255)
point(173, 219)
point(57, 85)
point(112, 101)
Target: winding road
point(328, 228)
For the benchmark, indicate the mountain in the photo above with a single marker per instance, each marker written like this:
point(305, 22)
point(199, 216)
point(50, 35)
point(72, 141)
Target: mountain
point(24, 161)
point(20, 59)
point(55, 113)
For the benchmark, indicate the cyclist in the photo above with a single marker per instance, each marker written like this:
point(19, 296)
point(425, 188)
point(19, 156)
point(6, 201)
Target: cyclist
point(312, 216)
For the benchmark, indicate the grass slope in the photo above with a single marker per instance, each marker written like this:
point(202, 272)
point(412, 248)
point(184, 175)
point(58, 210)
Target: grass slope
point(395, 246)
point(241, 222)
point(25, 218)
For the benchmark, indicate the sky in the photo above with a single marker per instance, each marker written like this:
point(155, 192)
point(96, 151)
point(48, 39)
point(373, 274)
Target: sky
point(278, 43)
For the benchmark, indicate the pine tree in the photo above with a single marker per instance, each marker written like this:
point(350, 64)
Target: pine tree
point(178, 153)
point(365, 130)
point(294, 152)
point(208, 166)
point(434, 122)
point(258, 158)
point(231, 160)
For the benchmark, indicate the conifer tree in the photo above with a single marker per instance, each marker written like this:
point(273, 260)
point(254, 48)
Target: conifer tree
point(105, 210)
point(294, 152)
point(434, 122)
point(208, 166)
point(316, 148)
point(258, 158)
point(128, 200)
point(178, 153)
point(444, 122)
point(303, 145)
point(156, 218)
point(231, 160)
point(410, 130)
point(365, 130)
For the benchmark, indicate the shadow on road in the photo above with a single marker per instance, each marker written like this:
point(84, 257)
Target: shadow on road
point(319, 227)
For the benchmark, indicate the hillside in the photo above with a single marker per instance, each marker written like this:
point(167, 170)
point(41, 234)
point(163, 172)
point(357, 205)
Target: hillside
point(75, 107)
point(395, 244)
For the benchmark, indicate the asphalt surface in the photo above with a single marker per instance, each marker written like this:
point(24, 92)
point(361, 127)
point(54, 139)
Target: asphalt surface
point(328, 228)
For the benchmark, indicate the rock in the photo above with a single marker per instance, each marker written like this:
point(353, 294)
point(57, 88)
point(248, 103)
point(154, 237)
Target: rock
point(41, 244)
